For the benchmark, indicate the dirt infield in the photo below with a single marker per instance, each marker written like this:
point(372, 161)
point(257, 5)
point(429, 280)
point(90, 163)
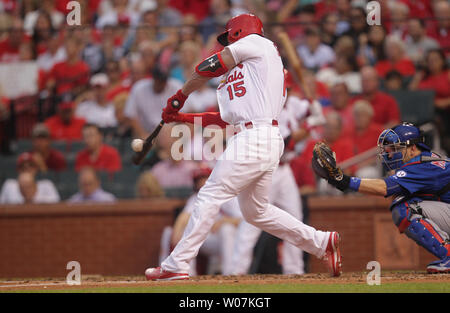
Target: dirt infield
point(106, 282)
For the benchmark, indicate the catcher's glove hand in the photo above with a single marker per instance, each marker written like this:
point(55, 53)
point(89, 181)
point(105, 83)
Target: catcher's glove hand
point(324, 165)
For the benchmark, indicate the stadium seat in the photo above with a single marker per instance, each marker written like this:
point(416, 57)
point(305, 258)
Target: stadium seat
point(179, 193)
point(121, 190)
point(8, 168)
point(68, 146)
point(22, 145)
point(415, 106)
point(124, 147)
point(129, 174)
point(122, 183)
point(67, 184)
point(50, 175)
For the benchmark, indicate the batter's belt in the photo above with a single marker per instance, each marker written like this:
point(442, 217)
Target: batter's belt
point(248, 125)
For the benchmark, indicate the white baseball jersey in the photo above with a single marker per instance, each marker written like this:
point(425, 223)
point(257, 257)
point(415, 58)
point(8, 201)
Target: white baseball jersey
point(254, 89)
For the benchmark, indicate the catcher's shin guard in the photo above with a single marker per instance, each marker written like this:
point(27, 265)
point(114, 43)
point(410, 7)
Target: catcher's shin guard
point(401, 215)
point(420, 229)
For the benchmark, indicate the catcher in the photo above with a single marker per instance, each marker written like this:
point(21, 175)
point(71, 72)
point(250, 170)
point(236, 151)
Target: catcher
point(420, 186)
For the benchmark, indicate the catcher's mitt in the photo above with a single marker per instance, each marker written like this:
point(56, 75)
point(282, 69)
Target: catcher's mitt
point(324, 162)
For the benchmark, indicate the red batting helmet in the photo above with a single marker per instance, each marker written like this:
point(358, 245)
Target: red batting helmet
point(240, 26)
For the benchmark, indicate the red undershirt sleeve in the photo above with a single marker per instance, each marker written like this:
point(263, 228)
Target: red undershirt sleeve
point(205, 119)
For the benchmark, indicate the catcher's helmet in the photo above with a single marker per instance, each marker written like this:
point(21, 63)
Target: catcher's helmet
point(240, 26)
point(393, 140)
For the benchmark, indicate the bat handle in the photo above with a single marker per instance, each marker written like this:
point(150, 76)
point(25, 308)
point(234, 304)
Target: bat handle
point(175, 104)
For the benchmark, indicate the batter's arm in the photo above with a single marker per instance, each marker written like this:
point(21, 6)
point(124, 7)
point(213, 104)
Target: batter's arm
point(193, 83)
point(196, 80)
point(227, 58)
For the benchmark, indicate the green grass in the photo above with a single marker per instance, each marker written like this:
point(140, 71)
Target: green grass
point(425, 287)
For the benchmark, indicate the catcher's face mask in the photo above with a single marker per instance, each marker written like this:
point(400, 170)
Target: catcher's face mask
point(391, 150)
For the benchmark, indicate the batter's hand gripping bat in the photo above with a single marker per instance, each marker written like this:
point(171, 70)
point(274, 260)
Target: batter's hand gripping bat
point(148, 142)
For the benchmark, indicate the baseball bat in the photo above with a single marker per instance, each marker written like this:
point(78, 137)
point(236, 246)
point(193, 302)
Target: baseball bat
point(148, 142)
point(295, 61)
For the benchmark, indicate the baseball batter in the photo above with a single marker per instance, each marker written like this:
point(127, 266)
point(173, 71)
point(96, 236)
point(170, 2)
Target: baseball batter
point(250, 98)
point(420, 187)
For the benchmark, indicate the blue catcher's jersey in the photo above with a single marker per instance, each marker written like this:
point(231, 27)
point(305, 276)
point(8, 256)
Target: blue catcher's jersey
point(423, 179)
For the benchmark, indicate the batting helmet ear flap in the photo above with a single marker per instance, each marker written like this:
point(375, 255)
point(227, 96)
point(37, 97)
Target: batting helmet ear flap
point(223, 39)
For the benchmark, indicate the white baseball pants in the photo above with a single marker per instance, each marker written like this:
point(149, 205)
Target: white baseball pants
point(285, 195)
point(245, 170)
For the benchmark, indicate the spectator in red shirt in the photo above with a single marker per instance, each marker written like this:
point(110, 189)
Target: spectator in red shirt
point(365, 131)
point(439, 29)
point(365, 136)
point(436, 77)
point(324, 7)
point(198, 8)
point(44, 155)
point(304, 176)
point(61, 6)
point(64, 125)
point(418, 8)
point(97, 155)
point(332, 135)
point(10, 6)
point(340, 103)
point(386, 110)
point(71, 75)
point(12, 47)
point(341, 145)
point(396, 58)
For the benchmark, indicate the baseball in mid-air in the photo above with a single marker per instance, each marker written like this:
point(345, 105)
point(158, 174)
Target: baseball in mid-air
point(137, 145)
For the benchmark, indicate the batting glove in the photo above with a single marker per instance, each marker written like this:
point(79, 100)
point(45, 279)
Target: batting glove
point(180, 98)
point(169, 117)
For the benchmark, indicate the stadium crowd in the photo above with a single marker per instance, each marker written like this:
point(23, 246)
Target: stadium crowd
point(105, 81)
